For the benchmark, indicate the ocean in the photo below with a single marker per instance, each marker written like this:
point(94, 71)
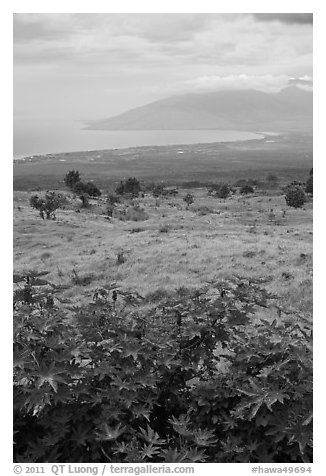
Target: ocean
point(54, 136)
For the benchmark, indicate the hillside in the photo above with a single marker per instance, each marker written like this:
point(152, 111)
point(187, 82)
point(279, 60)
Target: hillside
point(290, 110)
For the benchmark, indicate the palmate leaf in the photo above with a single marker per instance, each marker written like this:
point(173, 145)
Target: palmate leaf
point(49, 375)
point(262, 395)
point(195, 455)
point(174, 456)
point(81, 434)
point(180, 425)
point(204, 437)
point(107, 433)
point(149, 451)
point(301, 435)
point(21, 358)
point(131, 351)
point(141, 411)
point(151, 437)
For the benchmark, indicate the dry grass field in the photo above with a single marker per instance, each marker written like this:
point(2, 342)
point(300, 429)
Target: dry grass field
point(212, 240)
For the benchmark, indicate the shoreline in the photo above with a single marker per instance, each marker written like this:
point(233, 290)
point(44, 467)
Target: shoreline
point(261, 136)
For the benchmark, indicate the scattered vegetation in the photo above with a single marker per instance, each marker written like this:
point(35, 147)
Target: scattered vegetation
point(295, 196)
point(189, 199)
point(246, 189)
point(309, 183)
point(130, 186)
point(72, 178)
point(47, 205)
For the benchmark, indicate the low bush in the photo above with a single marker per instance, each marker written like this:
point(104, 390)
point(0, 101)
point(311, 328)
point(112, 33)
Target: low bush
point(204, 210)
point(72, 178)
point(130, 187)
point(295, 196)
point(199, 377)
point(47, 205)
point(309, 185)
point(189, 199)
point(246, 189)
point(135, 213)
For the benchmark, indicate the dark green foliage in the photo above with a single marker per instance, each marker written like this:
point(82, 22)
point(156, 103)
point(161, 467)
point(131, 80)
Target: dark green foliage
point(224, 191)
point(309, 185)
point(157, 191)
point(88, 188)
point(295, 195)
point(246, 189)
point(197, 377)
point(72, 178)
point(47, 205)
point(189, 199)
point(220, 190)
point(84, 190)
point(130, 186)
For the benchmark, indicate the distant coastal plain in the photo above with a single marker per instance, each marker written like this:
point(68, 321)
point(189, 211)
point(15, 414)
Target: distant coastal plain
point(286, 155)
point(56, 137)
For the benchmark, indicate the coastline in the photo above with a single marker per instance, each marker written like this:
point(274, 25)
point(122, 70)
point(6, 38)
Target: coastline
point(259, 137)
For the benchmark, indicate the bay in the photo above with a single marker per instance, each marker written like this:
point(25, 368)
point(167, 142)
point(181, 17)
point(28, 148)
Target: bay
point(39, 137)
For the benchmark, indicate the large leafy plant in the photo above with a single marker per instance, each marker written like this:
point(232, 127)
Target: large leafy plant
point(190, 376)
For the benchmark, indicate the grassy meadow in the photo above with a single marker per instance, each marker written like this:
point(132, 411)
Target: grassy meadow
point(175, 246)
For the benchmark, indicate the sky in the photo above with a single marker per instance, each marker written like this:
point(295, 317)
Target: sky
point(87, 66)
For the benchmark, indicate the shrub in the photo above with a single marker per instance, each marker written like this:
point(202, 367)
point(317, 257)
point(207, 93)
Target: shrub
point(72, 178)
point(204, 210)
point(295, 196)
point(309, 185)
point(199, 378)
point(131, 214)
point(224, 191)
point(130, 186)
point(121, 257)
point(86, 190)
point(189, 199)
point(158, 190)
point(245, 189)
point(47, 205)
point(220, 190)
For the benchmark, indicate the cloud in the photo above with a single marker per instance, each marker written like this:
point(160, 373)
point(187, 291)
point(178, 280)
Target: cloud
point(268, 83)
point(131, 59)
point(28, 27)
point(289, 18)
point(305, 82)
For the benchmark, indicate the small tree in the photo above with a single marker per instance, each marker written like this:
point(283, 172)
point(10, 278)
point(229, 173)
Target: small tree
point(189, 199)
point(246, 189)
point(224, 191)
point(130, 186)
point(92, 189)
point(72, 178)
point(295, 196)
point(86, 190)
point(47, 205)
point(309, 183)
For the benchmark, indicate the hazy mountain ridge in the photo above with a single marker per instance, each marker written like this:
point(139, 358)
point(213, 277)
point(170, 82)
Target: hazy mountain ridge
point(290, 109)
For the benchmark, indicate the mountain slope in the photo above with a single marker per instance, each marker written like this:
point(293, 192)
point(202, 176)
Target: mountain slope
point(290, 109)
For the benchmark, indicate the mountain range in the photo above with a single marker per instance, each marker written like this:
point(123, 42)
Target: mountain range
point(291, 109)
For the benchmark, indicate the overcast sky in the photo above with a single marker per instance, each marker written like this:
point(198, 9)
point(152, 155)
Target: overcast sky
point(90, 66)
